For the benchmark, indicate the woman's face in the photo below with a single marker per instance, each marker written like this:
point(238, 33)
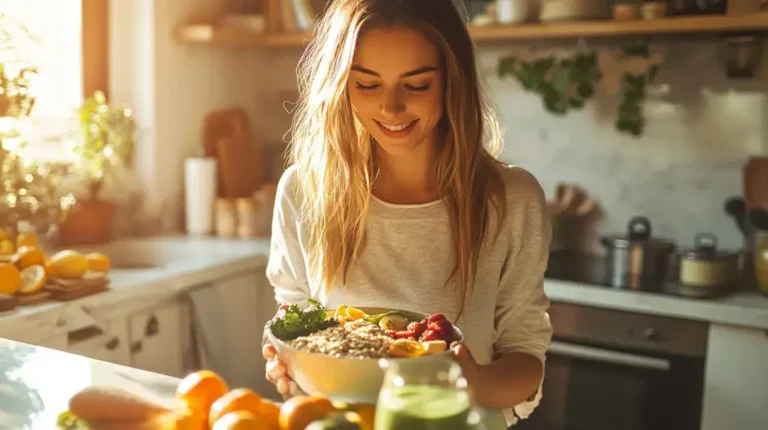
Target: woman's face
point(396, 88)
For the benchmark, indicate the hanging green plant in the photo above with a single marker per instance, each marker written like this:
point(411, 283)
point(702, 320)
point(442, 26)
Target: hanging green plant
point(563, 83)
point(630, 118)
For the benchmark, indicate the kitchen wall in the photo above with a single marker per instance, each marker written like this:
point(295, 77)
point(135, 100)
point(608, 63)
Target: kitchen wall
point(678, 173)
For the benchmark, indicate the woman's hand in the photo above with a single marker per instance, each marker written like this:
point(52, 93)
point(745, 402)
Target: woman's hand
point(469, 367)
point(277, 373)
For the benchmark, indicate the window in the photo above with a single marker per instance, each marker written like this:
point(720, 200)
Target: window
point(58, 54)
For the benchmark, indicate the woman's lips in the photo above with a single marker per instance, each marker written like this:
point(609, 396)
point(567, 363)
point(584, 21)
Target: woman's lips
point(396, 131)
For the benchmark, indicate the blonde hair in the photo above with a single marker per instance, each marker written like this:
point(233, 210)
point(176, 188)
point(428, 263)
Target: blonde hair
point(333, 153)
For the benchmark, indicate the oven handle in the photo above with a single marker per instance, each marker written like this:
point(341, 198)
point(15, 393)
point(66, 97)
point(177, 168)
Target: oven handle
point(607, 356)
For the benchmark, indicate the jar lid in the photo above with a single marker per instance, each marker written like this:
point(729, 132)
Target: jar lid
point(638, 233)
point(705, 248)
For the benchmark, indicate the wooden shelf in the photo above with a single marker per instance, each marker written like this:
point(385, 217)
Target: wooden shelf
point(713, 24)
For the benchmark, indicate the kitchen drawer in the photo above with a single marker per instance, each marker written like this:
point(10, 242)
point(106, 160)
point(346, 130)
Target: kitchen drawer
point(629, 329)
point(106, 342)
point(157, 339)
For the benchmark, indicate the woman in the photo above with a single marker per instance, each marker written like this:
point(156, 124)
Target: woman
point(395, 199)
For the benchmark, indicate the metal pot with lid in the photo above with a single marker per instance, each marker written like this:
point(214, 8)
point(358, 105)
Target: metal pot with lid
point(706, 266)
point(637, 260)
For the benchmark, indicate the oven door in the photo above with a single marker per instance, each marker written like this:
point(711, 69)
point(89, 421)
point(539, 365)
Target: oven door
point(590, 387)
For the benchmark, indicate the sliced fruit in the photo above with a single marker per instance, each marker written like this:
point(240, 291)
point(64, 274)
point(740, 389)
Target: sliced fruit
point(200, 390)
point(68, 264)
point(366, 411)
point(98, 262)
point(240, 420)
point(10, 278)
point(6, 247)
point(29, 256)
point(434, 346)
point(394, 322)
point(27, 239)
point(239, 399)
point(406, 348)
point(299, 411)
point(330, 314)
point(417, 327)
point(32, 279)
point(341, 311)
point(355, 313)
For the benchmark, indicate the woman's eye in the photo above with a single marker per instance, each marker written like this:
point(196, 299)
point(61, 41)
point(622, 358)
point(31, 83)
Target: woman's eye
point(420, 87)
point(366, 87)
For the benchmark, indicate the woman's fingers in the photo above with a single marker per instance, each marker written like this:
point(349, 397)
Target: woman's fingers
point(283, 386)
point(275, 370)
point(268, 351)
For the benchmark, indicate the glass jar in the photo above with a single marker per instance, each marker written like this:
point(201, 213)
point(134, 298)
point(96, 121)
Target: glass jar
point(426, 393)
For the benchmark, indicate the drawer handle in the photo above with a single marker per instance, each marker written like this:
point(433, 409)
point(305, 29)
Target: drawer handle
point(136, 347)
point(153, 327)
point(83, 334)
point(650, 334)
point(113, 344)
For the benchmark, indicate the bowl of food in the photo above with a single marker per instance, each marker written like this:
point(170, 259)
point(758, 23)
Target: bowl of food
point(337, 353)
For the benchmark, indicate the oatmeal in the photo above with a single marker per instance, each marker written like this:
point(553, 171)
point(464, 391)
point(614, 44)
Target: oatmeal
point(355, 339)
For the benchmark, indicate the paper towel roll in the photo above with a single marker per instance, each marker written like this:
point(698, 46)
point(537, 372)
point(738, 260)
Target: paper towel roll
point(200, 194)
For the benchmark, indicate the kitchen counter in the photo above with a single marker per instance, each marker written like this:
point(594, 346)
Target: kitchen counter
point(37, 383)
point(168, 266)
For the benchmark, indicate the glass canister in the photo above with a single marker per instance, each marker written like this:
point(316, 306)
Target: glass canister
point(427, 393)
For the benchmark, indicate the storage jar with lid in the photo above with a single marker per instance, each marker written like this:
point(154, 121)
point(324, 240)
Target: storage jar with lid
point(706, 266)
point(637, 260)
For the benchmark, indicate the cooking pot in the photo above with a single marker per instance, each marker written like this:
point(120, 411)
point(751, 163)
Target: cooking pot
point(705, 266)
point(637, 260)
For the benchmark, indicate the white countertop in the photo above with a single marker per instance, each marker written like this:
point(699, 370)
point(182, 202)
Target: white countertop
point(183, 263)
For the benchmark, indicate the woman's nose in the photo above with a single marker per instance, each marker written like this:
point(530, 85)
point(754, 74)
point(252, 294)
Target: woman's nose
point(393, 104)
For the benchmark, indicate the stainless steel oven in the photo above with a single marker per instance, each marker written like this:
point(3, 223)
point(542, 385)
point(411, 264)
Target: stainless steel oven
point(616, 370)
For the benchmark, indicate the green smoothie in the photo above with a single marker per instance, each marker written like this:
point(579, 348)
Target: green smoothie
point(422, 407)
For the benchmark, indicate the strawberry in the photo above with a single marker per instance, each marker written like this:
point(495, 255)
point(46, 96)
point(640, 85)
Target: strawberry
point(430, 335)
point(391, 333)
point(443, 327)
point(436, 318)
point(417, 328)
point(403, 335)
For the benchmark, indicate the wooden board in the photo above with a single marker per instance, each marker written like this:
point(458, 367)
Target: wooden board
point(220, 124)
point(34, 298)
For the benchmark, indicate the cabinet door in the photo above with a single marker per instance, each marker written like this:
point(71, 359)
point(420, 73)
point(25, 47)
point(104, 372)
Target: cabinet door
point(736, 381)
point(229, 319)
point(156, 339)
point(107, 342)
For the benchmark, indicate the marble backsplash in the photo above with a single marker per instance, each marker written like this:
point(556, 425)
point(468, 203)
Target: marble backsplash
point(701, 128)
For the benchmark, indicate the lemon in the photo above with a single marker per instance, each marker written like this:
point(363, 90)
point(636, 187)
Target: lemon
point(9, 278)
point(341, 311)
point(6, 247)
point(355, 313)
point(32, 279)
point(3, 236)
point(98, 262)
point(68, 264)
point(29, 256)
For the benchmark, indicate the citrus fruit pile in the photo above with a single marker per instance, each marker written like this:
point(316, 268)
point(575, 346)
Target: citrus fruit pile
point(24, 268)
point(210, 402)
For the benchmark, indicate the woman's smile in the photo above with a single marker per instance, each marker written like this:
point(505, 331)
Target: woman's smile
point(398, 130)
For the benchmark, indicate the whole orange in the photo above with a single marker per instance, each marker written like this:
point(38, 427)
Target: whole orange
point(200, 390)
point(298, 412)
point(240, 420)
point(187, 419)
point(239, 399)
point(269, 412)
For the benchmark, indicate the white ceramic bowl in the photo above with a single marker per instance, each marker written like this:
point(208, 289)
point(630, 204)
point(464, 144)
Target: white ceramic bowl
point(350, 380)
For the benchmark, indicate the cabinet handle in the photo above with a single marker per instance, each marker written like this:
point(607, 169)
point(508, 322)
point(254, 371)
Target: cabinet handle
point(84, 334)
point(136, 347)
point(113, 344)
point(153, 326)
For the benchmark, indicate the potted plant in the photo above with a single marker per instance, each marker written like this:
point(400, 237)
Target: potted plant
point(106, 145)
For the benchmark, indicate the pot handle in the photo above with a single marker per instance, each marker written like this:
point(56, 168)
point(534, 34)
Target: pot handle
point(639, 228)
point(705, 241)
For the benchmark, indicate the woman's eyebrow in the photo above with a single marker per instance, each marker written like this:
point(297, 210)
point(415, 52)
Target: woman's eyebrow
point(414, 72)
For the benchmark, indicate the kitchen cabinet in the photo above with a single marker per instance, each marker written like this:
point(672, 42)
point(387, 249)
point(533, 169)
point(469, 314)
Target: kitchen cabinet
point(229, 318)
point(106, 342)
point(158, 338)
point(736, 379)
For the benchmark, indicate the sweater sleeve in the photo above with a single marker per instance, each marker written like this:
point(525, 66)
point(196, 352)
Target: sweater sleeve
point(286, 268)
point(521, 320)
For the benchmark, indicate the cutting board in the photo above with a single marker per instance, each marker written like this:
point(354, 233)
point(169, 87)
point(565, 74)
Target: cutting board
point(240, 170)
point(228, 138)
point(755, 182)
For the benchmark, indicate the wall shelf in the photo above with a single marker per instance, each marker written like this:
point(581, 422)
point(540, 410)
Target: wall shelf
point(712, 24)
